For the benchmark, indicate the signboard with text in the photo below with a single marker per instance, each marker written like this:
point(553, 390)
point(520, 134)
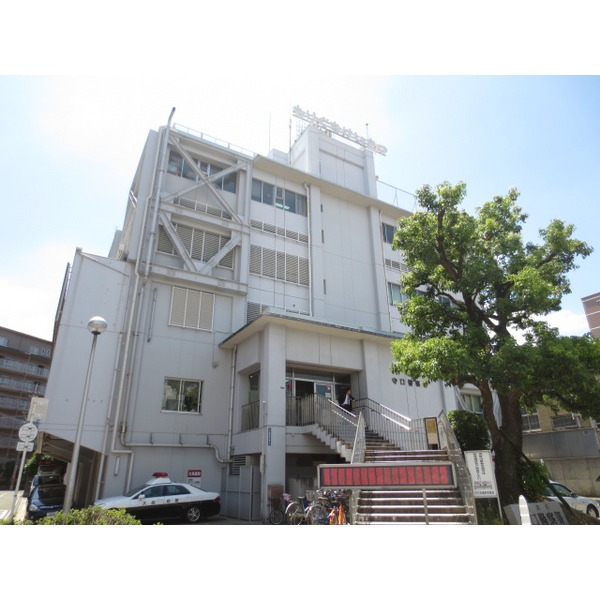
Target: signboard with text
point(194, 477)
point(481, 468)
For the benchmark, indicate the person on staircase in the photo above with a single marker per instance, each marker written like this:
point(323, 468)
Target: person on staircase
point(347, 402)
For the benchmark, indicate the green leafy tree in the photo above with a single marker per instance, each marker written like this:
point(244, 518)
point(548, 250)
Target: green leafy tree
point(489, 329)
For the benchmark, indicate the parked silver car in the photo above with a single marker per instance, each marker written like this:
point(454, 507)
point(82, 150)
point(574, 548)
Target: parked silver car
point(589, 506)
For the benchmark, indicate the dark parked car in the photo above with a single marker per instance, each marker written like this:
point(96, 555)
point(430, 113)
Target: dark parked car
point(161, 499)
point(45, 501)
point(39, 479)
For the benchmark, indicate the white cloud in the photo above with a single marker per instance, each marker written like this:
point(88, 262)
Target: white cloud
point(569, 322)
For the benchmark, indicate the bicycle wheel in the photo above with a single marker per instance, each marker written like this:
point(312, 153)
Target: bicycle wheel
point(294, 514)
point(276, 517)
point(318, 515)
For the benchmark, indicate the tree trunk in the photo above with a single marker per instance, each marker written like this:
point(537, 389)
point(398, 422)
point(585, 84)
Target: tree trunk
point(507, 445)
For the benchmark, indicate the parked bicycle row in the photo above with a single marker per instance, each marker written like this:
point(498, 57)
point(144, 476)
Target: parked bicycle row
point(320, 507)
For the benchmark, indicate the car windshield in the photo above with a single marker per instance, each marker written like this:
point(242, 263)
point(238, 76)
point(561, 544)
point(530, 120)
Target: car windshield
point(51, 494)
point(135, 490)
point(561, 489)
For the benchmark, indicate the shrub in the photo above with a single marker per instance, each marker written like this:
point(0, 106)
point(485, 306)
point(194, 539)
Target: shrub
point(470, 429)
point(535, 476)
point(92, 515)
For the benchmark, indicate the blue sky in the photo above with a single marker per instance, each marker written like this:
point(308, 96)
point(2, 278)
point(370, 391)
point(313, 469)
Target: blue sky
point(70, 146)
point(455, 91)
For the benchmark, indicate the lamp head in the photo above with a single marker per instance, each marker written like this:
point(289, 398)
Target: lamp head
point(96, 325)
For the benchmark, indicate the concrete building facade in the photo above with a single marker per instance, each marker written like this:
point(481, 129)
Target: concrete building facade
point(238, 285)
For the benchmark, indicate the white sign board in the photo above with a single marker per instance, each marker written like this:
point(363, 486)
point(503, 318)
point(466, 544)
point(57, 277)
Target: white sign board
point(481, 467)
point(24, 446)
point(28, 432)
point(194, 477)
point(38, 408)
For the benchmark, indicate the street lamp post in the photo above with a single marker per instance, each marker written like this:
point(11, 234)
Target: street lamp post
point(96, 326)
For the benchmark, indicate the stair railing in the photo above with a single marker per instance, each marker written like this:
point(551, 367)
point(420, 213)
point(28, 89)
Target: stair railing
point(449, 442)
point(360, 441)
point(405, 433)
point(314, 409)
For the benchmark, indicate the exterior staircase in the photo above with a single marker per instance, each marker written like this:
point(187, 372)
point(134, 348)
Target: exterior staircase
point(418, 505)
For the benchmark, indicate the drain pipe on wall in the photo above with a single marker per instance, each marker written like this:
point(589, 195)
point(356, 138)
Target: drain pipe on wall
point(231, 401)
point(308, 220)
point(163, 154)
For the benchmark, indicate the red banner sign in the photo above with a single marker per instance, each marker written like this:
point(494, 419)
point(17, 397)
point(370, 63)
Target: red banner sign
point(365, 475)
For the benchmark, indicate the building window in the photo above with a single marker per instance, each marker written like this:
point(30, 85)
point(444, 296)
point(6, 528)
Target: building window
point(192, 309)
point(267, 193)
point(181, 395)
point(254, 385)
point(531, 421)
point(395, 294)
point(388, 233)
point(472, 402)
point(568, 421)
point(180, 167)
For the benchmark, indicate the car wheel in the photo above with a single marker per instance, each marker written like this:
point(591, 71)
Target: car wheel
point(193, 514)
point(592, 511)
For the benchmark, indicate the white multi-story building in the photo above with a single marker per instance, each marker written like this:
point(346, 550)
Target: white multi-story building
point(243, 294)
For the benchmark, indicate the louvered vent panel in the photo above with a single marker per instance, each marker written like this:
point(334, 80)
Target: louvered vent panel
point(186, 235)
point(291, 271)
point(212, 244)
point(197, 244)
point(255, 260)
point(281, 266)
point(164, 242)
point(192, 309)
point(268, 262)
point(178, 301)
point(206, 311)
point(303, 272)
point(252, 311)
point(227, 260)
point(237, 463)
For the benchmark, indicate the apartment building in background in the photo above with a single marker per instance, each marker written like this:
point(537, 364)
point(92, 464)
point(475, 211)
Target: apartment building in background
point(24, 368)
point(567, 443)
point(591, 307)
point(243, 294)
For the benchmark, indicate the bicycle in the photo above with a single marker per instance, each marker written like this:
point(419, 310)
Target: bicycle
point(337, 516)
point(296, 512)
point(329, 508)
point(277, 514)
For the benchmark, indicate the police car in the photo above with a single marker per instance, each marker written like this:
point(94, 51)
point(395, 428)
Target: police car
point(590, 506)
point(161, 499)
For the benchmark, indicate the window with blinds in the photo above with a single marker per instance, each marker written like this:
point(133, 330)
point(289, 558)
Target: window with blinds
point(192, 309)
point(279, 265)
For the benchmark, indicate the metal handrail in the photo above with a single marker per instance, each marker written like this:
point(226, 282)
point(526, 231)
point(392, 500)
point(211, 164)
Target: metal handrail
point(405, 433)
point(314, 409)
point(360, 441)
point(449, 442)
